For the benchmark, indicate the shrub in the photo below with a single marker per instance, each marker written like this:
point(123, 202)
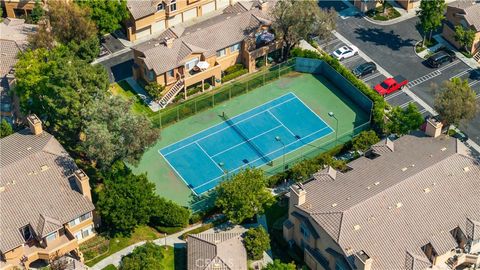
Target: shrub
point(167, 213)
point(234, 68)
point(256, 241)
point(168, 230)
point(148, 256)
point(154, 90)
point(234, 75)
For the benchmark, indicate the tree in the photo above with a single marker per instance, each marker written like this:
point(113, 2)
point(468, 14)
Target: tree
point(465, 37)
point(243, 195)
point(431, 15)
point(56, 86)
point(107, 15)
point(145, 257)
point(304, 170)
point(295, 20)
point(87, 49)
point(37, 12)
point(154, 90)
point(5, 129)
point(456, 102)
point(168, 214)
point(402, 121)
point(365, 140)
point(278, 265)
point(125, 200)
point(256, 242)
point(113, 132)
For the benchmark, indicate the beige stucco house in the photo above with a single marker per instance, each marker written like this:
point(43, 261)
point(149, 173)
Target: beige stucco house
point(412, 203)
point(185, 56)
point(46, 207)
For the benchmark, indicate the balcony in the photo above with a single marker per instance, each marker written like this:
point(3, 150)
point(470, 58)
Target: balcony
point(268, 48)
point(58, 247)
point(197, 75)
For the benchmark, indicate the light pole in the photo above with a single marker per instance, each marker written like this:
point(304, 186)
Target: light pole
point(278, 139)
point(331, 114)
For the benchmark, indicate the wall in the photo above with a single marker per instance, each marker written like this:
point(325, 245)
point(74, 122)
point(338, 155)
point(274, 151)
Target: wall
point(320, 67)
point(11, 5)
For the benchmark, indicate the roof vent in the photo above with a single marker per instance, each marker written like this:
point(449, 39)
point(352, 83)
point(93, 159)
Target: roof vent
point(399, 204)
point(466, 169)
point(2, 189)
point(413, 165)
point(426, 190)
point(29, 148)
point(434, 183)
point(404, 169)
point(377, 183)
point(44, 168)
point(334, 204)
point(156, 44)
point(389, 208)
point(356, 227)
point(368, 187)
point(443, 149)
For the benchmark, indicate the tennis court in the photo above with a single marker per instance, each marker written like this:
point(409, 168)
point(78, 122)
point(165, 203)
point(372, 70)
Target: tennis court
point(254, 138)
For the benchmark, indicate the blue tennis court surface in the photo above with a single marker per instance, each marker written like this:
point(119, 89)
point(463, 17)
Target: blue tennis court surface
point(203, 159)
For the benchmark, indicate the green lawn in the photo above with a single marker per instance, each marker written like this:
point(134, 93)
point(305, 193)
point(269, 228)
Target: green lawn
point(174, 259)
point(110, 267)
point(124, 90)
point(99, 247)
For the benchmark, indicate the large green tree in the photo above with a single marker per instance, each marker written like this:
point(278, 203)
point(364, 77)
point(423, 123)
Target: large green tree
point(125, 201)
point(56, 86)
point(243, 195)
point(37, 12)
point(168, 214)
point(256, 242)
point(5, 129)
point(365, 140)
point(68, 24)
point(108, 15)
point(402, 121)
point(113, 132)
point(465, 36)
point(278, 265)
point(456, 102)
point(296, 20)
point(146, 257)
point(431, 15)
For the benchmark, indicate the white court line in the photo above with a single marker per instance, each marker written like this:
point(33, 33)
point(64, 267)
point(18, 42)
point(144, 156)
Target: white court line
point(281, 123)
point(203, 150)
point(210, 134)
point(274, 151)
point(460, 74)
point(179, 175)
point(254, 137)
point(313, 112)
point(371, 76)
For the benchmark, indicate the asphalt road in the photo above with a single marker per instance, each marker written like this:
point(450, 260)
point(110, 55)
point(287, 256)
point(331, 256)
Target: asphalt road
point(392, 47)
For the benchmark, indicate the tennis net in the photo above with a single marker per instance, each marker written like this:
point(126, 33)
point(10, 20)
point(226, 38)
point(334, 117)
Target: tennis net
point(246, 139)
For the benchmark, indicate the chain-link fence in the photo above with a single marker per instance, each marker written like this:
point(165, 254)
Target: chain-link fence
point(222, 94)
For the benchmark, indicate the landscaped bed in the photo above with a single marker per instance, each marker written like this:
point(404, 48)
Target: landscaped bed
point(378, 14)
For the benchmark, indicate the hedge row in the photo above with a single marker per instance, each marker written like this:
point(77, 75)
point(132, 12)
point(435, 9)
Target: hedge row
point(234, 75)
point(234, 68)
point(379, 103)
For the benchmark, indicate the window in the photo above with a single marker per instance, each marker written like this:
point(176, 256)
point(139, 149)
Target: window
point(235, 47)
point(85, 216)
point(192, 63)
point(173, 5)
point(51, 237)
point(221, 53)
point(151, 75)
point(304, 231)
point(84, 232)
point(160, 7)
point(170, 73)
point(26, 233)
point(74, 222)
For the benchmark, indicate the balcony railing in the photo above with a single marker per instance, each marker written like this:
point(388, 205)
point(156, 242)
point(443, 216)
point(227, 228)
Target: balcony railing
point(202, 75)
point(57, 247)
point(273, 46)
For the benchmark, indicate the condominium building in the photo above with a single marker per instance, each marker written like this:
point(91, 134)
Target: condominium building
point(45, 201)
point(149, 17)
point(412, 203)
point(17, 8)
point(185, 56)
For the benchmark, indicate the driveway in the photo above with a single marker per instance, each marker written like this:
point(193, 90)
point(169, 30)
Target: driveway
point(119, 67)
point(392, 47)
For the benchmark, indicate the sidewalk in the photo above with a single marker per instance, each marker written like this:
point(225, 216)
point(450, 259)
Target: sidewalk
point(117, 257)
point(154, 106)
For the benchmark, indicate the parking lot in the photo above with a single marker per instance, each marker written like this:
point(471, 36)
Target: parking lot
point(399, 98)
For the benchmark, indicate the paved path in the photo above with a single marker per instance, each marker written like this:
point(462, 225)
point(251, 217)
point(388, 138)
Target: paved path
point(117, 257)
point(154, 106)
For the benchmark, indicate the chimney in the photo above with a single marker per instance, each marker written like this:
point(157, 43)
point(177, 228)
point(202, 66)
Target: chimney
point(297, 194)
point(35, 124)
point(264, 6)
point(363, 261)
point(81, 179)
point(169, 42)
point(433, 128)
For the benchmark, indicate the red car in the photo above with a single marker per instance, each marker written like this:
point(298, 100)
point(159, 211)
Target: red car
point(391, 85)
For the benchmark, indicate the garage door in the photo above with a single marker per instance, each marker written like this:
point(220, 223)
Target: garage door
point(144, 32)
point(207, 8)
point(190, 14)
point(175, 20)
point(158, 26)
point(222, 3)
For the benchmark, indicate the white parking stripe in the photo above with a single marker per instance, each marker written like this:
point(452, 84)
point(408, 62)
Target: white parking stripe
point(449, 65)
point(372, 76)
point(460, 74)
point(406, 104)
point(351, 59)
point(424, 78)
point(473, 83)
point(398, 93)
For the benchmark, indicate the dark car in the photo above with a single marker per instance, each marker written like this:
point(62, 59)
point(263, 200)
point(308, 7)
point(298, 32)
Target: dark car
point(460, 136)
point(440, 58)
point(364, 69)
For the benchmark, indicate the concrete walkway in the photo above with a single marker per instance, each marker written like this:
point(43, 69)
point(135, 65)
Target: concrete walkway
point(154, 106)
point(115, 258)
point(468, 61)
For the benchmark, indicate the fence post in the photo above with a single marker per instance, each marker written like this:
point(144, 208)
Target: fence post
point(178, 114)
point(247, 85)
point(195, 106)
point(213, 100)
point(230, 93)
point(160, 120)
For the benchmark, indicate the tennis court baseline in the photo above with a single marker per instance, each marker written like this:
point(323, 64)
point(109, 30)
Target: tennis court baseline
point(252, 138)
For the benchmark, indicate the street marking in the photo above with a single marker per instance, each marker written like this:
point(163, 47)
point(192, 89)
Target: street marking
point(473, 83)
point(406, 104)
point(423, 111)
point(398, 93)
point(449, 65)
point(355, 57)
point(372, 76)
point(329, 42)
point(460, 74)
point(424, 78)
